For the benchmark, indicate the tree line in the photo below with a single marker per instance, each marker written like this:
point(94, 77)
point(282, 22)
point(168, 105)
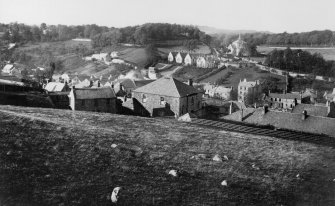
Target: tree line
point(301, 62)
point(313, 38)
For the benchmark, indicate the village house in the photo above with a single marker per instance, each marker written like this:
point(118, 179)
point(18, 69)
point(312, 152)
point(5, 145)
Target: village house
point(171, 56)
point(166, 97)
point(65, 78)
point(284, 100)
point(246, 88)
point(216, 91)
point(303, 122)
point(188, 60)
point(93, 99)
point(10, 69)
point(330, 96)
point(125, 87)
point(57, 87)
point(114, 54)
point(322, 110)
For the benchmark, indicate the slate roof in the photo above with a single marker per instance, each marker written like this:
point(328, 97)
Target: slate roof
point(286, 120)
point(168, 86)
point(285, 96)
point(94, 93)
point(314, 110)
point(54, 87)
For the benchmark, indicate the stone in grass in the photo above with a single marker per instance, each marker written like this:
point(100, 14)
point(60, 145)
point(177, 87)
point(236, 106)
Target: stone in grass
point(173, 173)
point(115, 194)
point(224, 183)
point(199, 156)
point(225, 157)
point(217, 158)
point(113, 145)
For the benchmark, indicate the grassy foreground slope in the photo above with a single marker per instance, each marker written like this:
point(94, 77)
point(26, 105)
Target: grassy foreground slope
point(59, 157)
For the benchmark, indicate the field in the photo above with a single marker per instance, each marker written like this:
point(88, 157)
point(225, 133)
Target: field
point(59, 157)
point(327, 52)
point(73, 62)
point(202, 49)
point(190, 72)
point(233, 75)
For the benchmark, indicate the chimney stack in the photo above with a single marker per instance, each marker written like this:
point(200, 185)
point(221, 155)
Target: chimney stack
point(121, 87)
point(241, 117)
point(98, 83)
point(112, 85)
point(304, 115)
point(231, 108)
point(190, 82)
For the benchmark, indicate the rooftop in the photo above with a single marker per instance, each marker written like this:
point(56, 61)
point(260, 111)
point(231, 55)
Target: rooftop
point(168, 86)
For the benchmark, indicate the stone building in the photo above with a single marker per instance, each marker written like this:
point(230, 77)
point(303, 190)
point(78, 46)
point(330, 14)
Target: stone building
point(285, 100)
point(246, 88)
point(166, 97)
point(239, 48)
point(101, 99)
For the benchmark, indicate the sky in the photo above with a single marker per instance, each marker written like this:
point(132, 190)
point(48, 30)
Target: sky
point(261, 15)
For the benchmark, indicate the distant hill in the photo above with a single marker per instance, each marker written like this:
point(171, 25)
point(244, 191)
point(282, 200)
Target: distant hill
point(213, 30)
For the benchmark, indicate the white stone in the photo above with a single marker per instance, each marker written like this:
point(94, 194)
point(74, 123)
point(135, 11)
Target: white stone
point(224, 183)
point(173, 173)
point(217, 158)
point(113, 146)
point(225, 157)
point(114, 196)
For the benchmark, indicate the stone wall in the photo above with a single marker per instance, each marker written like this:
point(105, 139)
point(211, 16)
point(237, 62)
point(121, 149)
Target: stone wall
point(96, 105)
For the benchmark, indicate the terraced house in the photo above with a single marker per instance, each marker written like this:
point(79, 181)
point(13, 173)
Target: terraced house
point(166, 97)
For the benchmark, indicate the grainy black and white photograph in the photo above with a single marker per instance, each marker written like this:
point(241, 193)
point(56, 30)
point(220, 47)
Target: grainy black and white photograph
point(167, 103)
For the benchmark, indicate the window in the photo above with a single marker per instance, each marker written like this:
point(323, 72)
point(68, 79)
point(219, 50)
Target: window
point(144, 98)
point(162, 101)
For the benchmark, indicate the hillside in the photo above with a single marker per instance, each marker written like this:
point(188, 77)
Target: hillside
point(60, 157)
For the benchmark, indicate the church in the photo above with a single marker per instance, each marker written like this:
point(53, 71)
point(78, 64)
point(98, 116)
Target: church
point(239, 48)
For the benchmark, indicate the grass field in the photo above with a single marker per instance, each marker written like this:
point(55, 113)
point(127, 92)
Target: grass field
point(202, 49)
point(328, 52)
point(190, 72)
point(233, 76)
point(59, 157)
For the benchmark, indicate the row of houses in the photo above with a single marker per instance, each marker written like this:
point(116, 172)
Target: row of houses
point(162, 97)
point(201, 61)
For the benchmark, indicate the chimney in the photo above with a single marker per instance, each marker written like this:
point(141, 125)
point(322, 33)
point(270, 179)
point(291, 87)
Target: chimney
point(98, 83)
point(190, 82)
point(112, 85)
point(304, 115)
point(73, 87)
point(241, 116)
point(121, 87)
point(265, 109)
point(231, 108)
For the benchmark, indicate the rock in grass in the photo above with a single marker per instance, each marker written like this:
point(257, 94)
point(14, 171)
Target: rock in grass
point(115, 194)
point(113, 145)
point(225, 157)
point(173, 173)
point(199, 156)
point(217, 158)
point(224, 183)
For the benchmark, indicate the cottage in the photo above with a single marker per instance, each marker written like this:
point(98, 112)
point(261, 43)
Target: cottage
point(246, 88)
point(220, 92)
point(114, 54)
point(10, 69)
point(188, 60)
point(57, 87)
point(285, 100)
point(65, 78)
point(171, 56)
point(303, 122)
point(322, 110)
point(93, 99)
point(330, 96)
point(179, 58)
point(166, 96)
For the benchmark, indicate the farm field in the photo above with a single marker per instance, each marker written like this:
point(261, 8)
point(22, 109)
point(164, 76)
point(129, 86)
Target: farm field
point(233, 75)
point(202, 49)
point(190, 72)
point(61, 157)
point(327, 52)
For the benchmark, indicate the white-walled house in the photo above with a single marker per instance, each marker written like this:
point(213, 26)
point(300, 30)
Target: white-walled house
point(179, 58)
point(216, 91)
point(188, 60)
point(246, 87)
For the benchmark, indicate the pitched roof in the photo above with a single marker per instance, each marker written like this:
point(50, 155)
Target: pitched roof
point(290, 121)
point(94, 93)
point(285, 96)
point(168, 86)
point(54, 87)
point(314, 110)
